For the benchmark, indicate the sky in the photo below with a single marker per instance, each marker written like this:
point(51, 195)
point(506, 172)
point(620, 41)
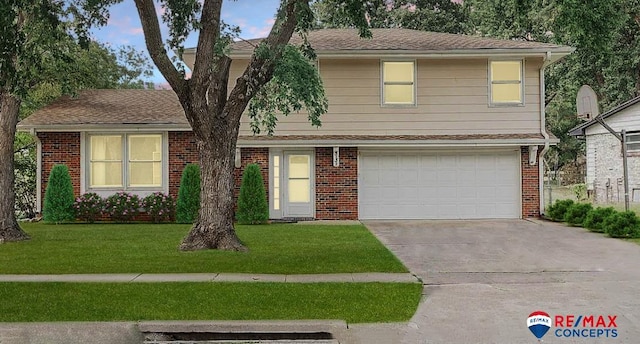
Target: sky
point(254, 17)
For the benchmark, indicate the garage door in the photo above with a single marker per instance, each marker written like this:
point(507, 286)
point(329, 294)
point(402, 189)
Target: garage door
point(439, 185)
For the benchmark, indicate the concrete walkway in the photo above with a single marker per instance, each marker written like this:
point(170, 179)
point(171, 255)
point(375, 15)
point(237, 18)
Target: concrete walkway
point(214, 277)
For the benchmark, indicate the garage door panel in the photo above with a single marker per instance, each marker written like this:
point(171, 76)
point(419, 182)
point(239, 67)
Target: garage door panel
point(439, 185)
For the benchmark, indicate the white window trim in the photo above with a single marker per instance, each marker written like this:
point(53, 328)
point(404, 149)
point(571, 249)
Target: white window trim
point(635, 134)
point(86, 163)
point(522, 81)
point(415, 83)
point(275, 213)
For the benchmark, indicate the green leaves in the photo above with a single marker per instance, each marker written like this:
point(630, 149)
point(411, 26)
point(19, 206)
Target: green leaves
point(296, 84)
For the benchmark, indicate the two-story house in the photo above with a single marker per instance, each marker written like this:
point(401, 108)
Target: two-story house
point(420, 126)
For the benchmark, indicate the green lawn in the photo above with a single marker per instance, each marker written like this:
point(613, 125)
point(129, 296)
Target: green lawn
point(151, 248)
point(353, 302)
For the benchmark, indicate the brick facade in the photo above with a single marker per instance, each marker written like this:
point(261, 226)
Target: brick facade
point(530, 184)
point(60, 148)
point(182, 151)
point(337, 187)
point(259, 156)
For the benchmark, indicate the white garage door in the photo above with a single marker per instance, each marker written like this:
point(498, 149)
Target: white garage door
point(439, 185)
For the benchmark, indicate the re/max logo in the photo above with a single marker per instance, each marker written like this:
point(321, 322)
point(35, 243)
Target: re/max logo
point(604, 321)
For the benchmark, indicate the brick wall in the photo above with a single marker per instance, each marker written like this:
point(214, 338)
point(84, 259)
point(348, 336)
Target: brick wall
point(530, 184)
point(337, 187)
point(182, 151)
point(60, 148)
point(259, 156)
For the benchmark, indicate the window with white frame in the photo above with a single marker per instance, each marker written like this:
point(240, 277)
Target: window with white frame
point(633, 141)
point(398, 83)
point(506, 82)
point(125, 161)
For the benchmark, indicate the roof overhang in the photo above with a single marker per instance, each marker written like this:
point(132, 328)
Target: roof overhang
point(580, 130)
point(553, 54)
point(384, 143)
point(103, 127)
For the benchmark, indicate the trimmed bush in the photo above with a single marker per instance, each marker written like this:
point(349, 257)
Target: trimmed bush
point(253, 207)
point(88, 207)
point(188, 203)
point(595, 218)
point(557, 210)
point(122, 206)
point(622, 225)
point(58, 197)
point(159, 206)
point(576, 213)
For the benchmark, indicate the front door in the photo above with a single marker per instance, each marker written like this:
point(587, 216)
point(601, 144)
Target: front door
point(299, 184)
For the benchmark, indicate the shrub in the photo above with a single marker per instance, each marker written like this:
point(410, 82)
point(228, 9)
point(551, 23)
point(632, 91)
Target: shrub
point(188, 203)
point(595, 219)
point(580, 190)
point(622, 225)
point(88, 207)
point(159, 206)
point(122, 206)
point(576, 213)
point(253, 207)
point(58, 197)
point(558, 209)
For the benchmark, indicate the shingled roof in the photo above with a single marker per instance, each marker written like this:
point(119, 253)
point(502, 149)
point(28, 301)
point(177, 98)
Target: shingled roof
point(328, 41)
point(110, 107)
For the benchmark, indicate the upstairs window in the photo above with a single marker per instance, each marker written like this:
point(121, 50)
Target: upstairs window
point(124, 161)
point(398, 83)
point(506, 86)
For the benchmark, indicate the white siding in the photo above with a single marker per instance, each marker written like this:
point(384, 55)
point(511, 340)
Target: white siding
point(628, 119)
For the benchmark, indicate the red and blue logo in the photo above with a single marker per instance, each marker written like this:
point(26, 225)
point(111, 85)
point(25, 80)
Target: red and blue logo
point(539, 323)
point(573, 325)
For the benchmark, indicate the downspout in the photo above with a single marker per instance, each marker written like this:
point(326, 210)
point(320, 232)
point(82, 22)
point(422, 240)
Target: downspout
point(543, 131)
point(38, 172)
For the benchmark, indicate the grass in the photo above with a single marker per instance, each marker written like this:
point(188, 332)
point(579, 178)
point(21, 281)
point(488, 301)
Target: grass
point(152, 248)
point(353, 302)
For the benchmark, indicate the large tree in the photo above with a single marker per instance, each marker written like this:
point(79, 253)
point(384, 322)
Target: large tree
point(29, 30)
point(427, 15)
point(39, 52)
point(212, 110)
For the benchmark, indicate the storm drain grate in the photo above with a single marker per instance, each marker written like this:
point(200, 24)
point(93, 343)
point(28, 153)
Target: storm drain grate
point(239, 337)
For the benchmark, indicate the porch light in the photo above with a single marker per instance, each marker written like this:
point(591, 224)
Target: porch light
point(533, 155)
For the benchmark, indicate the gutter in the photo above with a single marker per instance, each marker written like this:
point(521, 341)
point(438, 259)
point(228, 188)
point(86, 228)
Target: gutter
point(426, 54)
point(543, 123)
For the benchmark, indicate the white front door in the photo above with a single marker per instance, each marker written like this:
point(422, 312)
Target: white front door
point(298, 184)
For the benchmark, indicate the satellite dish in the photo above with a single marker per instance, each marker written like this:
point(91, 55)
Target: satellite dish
point(587, 103)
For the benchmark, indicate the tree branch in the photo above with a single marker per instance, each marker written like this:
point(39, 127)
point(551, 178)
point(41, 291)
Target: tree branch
point(207, 39)
point(260, 69)
point(153, 39)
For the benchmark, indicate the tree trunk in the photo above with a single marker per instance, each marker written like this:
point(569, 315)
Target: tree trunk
point(214, 228)
point(9, 228)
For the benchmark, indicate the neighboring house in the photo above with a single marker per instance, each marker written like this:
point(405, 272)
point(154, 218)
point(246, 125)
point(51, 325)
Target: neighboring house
point(604, 153)
point(420, 126)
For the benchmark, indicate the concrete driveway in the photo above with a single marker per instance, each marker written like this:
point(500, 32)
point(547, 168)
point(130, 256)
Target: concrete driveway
point(483, 278)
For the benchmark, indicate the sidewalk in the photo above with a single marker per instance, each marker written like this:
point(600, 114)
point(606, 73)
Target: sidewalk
point(214, 277)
